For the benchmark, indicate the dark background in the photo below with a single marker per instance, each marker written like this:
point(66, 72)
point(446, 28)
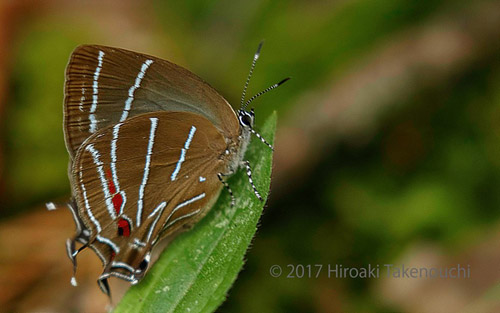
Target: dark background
point(388, 144)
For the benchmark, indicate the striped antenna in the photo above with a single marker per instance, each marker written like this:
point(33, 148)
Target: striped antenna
point(255, 58)
point(263, 92)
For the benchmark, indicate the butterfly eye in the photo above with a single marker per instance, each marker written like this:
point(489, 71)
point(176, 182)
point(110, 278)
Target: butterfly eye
point(246, 119)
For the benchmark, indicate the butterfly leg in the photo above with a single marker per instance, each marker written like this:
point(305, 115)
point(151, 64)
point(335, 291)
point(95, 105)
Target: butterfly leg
point(246, 164)
point(226, 185)
point(249, 174)
point(261, 139)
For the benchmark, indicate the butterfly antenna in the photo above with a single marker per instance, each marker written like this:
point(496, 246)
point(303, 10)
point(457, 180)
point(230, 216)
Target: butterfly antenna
point(264, 91)
point(255, 58)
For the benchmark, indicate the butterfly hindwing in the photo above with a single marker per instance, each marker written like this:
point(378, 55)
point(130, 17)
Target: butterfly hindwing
point(150, 176)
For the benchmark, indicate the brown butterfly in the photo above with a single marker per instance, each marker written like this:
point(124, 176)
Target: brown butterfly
point(149, 145)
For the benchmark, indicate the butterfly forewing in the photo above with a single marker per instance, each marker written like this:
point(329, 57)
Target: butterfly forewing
point(105, 86)
point(155, 173)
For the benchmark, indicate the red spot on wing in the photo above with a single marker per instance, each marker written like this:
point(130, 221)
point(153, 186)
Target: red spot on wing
point(123, 227)
point(117, 198)
point(113, 254)
point(117, 202)
point(111, 185)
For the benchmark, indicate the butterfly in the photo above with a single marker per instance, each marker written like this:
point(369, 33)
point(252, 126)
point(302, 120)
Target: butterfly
point(150, 144)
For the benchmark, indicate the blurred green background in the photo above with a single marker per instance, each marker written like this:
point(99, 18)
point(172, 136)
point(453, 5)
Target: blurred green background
point(388, 145)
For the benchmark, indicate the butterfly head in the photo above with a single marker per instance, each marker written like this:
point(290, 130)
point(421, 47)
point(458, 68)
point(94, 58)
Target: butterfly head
point(246, 118)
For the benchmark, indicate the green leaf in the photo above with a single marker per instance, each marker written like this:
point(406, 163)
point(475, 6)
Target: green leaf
point(196, 270)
